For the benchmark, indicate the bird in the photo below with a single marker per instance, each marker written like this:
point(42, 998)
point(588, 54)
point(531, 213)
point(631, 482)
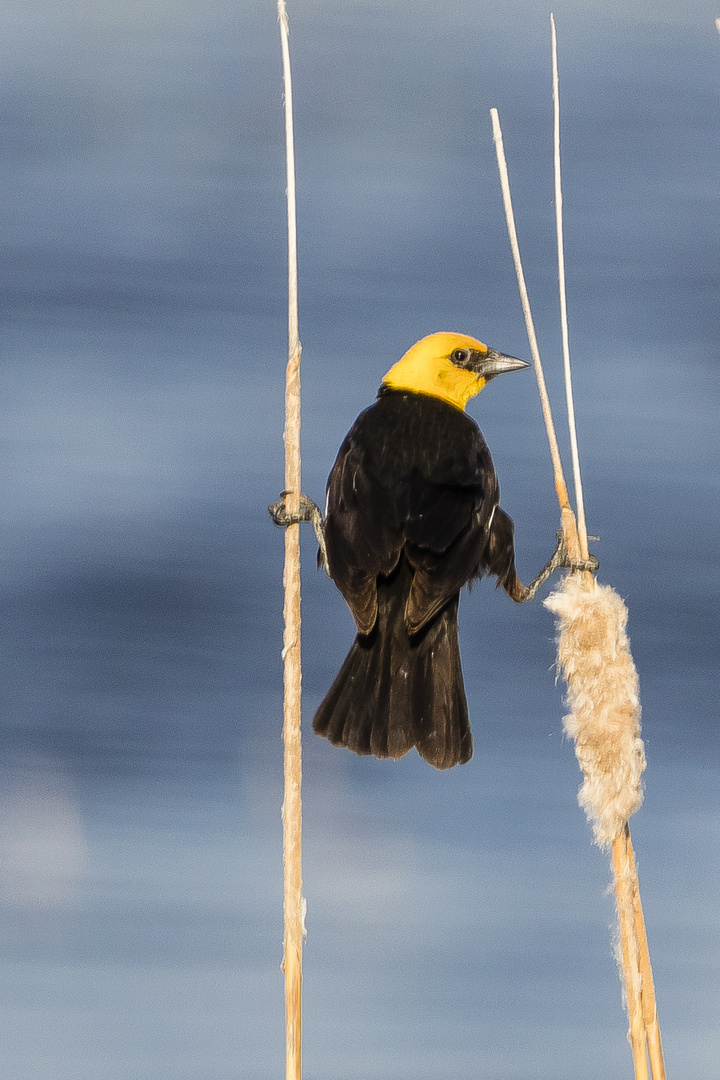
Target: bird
point(412, 516)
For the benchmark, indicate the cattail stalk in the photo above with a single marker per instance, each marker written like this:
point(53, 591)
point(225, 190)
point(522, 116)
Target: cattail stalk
point(292, 762)
point(604, 722)
point(579, 502)
point(566, 513)
point(649, 1006)
point(629, 956)
point(623, 855)
point(594, 655)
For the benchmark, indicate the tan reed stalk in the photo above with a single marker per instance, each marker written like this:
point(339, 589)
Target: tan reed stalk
point(566, 514)
point(633, 933)
point(626, 771)
point(579, 502)
point(630, 958)
point(647, 985)
point(292, 761)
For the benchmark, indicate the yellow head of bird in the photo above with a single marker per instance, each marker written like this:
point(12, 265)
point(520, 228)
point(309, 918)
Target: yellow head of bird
point(452, 367)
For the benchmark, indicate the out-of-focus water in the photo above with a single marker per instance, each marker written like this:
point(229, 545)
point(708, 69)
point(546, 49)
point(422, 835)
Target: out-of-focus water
point(458, 924)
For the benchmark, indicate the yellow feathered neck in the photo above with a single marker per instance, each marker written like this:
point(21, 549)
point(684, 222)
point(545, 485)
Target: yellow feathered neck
point(426, 368)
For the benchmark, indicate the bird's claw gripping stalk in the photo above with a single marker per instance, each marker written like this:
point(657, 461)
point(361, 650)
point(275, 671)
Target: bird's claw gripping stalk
point(307, 511)
point(559, 560)
point(589, 565)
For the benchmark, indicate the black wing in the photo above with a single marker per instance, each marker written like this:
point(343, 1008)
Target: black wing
point(499, 555)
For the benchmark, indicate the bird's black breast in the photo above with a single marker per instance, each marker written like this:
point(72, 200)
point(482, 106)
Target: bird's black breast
point(414, 473)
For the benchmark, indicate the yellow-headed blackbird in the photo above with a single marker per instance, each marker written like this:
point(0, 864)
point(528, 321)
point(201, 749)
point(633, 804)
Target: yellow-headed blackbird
point(413, 515)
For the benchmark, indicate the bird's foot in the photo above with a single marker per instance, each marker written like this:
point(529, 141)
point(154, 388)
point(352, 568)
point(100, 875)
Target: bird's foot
point(589, 565)
point(307, 511)
point(559, 560)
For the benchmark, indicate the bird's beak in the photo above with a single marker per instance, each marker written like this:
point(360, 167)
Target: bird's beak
point(497, 363)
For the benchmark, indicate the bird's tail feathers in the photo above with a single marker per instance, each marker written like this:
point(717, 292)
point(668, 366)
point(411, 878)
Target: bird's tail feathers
point(395, 690)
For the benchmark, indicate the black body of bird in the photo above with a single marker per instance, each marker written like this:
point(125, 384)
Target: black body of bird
point(413, 516)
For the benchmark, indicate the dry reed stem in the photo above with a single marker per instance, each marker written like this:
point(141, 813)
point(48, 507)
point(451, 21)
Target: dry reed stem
point(602, 795)
point(292, 673)
point(579, 501)
point(608, 669)
point(637, 947)
point(629, 948)
point(568, 518)
point(647, 986)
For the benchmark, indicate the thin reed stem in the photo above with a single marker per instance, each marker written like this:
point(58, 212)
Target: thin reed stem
point(640, 947)
point(635, 958)
point(647, 986)
point(292, 760)
point(579, 502)
point(567, 516)
point(629, 950)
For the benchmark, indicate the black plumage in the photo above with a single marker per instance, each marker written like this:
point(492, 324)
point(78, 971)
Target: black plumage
point(412, 516)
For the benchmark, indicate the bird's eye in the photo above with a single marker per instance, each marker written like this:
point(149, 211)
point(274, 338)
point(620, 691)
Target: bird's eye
point(459, 356)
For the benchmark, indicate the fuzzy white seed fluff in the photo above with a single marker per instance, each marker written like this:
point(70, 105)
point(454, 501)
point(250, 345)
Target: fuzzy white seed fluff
point(604, 701)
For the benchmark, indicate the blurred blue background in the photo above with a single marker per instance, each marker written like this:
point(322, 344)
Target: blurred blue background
point(459, 924)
